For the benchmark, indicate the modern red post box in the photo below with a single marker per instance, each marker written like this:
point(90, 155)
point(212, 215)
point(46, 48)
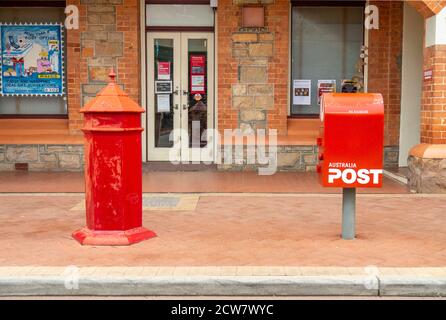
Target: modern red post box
point(351, 140)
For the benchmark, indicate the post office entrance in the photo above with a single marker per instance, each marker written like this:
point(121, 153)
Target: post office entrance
point(180, 96)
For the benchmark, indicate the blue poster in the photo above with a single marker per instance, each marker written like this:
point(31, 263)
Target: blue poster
point(31, 59)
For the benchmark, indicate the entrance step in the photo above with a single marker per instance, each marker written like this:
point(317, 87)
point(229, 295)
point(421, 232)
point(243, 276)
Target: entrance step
point(398, 174)
point(300, 132)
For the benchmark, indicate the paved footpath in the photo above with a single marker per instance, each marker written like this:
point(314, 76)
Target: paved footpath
point(230, 244)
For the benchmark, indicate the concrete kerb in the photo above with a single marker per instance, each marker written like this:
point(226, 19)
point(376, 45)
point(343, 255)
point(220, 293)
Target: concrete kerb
point(423, 286)
point(190, 286)
point(308, 281)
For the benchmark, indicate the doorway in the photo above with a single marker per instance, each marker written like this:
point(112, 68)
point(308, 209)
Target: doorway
point(180, 96)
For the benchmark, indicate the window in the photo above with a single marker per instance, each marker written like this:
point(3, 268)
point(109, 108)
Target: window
point(33, 106)
point(326, 45)
point(179, 15)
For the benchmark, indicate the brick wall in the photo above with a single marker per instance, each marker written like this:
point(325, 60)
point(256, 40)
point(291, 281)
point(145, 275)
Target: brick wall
point(228, 17)
point(252, 68)
point(428, 8)
point(433, 107)
point(76, 62)
point(108, 37)
point(277, 19)
point(384, 64)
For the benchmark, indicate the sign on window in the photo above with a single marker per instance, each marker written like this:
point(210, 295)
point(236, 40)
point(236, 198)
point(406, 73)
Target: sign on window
point(31, 60)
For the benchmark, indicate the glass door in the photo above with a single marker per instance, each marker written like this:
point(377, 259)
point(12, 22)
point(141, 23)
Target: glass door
point(180, 97)
point(163, 89)
point(197, 82)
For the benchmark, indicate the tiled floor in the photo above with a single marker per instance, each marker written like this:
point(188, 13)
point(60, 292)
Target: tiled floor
point(199, 181)
point(235, 230)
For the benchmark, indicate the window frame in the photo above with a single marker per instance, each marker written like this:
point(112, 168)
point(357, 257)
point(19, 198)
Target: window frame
point(309, 3)
point(178, 28)
point(36, 4)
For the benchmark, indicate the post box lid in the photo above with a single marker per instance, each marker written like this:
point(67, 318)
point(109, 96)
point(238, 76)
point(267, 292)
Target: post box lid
point(112, 99)
point(353, 103)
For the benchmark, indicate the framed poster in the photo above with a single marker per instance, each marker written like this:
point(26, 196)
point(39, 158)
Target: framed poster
point(31, 60)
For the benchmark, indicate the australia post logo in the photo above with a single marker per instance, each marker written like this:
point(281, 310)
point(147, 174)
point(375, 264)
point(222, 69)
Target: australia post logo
point(348, 173)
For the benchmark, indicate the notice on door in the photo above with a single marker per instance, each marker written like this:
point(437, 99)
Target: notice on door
point(302, 92)
point(163, 70)
point(197, 74)
point(163, 102)
point(197, 84)
point(163, 86)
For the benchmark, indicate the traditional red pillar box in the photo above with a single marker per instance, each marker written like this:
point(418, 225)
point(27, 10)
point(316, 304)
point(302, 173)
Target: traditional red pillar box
point(351, 140)
point(113, 170)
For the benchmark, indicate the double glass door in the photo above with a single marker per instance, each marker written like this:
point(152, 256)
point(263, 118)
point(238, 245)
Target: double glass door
point(180, 111)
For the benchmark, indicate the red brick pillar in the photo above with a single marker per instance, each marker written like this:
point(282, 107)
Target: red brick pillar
point(427, 161)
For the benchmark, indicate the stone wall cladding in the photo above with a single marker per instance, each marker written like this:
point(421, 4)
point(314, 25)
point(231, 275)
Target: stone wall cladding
point(42, 157)
point(391, 156)
point(252, 68)
point(289, 158)
point(108, 37)
point(427, 175)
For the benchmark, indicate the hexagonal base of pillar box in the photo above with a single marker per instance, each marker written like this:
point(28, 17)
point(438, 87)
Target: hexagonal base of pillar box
point(89, 237)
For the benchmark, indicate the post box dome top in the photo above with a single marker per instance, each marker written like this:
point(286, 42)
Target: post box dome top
point(353, 103)
point(112, 99)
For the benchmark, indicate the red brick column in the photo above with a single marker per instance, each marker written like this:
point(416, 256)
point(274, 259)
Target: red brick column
point(228, 17)
point(433, 106)
point(277, 19)
point(427, 161)
point(384, 71)
point(76, 68)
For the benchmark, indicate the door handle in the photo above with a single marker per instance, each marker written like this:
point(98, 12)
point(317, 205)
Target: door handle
point(184, 107)
point(176, 106)
point(175, 92)
point(185, 92)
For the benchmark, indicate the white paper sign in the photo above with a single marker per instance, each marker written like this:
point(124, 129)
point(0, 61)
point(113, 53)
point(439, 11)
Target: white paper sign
point(198, 84)
point(302, 92)
point(325, 86)
point(163, 102)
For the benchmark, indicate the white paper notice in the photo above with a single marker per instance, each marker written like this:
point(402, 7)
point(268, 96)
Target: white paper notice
point(325, 86)
point(163, 102)
point(302, 92)
point(198, 84)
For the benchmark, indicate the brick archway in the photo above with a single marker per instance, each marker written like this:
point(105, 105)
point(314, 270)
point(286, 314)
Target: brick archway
point(428, 8)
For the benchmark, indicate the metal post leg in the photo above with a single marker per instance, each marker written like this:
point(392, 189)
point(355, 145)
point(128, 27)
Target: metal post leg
point(348, 213)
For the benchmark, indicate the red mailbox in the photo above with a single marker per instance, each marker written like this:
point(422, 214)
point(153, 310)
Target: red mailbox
point(351, 141)
point(113, 170)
